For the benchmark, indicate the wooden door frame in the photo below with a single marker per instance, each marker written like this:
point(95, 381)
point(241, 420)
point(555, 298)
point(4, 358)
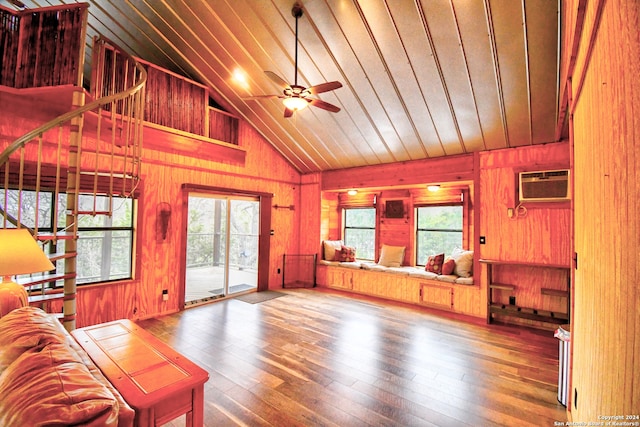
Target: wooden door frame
point(264, 238)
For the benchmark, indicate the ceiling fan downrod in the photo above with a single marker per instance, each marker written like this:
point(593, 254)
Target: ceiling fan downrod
point(297, 12)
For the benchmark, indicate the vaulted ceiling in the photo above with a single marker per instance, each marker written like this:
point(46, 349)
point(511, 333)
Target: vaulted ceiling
point(421, 78)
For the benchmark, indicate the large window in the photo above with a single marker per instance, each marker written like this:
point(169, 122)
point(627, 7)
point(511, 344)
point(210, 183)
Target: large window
point(439, 230)
point(105, 243)
point(360, 231)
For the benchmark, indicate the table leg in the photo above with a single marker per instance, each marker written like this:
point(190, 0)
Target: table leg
point(197, 415)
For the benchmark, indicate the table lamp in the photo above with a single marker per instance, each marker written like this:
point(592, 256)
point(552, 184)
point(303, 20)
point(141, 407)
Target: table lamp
point(19, 254)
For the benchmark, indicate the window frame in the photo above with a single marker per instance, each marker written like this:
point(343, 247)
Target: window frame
point(131, 229)
point(49, 195)
point(373, 229)
point(463, 230)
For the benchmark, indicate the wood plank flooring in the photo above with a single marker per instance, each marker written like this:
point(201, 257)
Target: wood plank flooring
point(323, 358)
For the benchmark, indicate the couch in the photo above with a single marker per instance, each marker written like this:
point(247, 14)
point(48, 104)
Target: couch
point(47, 379)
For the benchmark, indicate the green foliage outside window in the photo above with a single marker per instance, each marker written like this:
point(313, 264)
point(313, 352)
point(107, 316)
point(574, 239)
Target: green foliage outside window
point(360, 231)
point(105, 243)
point(439, 230)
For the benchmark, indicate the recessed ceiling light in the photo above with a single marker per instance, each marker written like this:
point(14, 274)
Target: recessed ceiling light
point(240, 78)
point(352, 192)
point(434, 187)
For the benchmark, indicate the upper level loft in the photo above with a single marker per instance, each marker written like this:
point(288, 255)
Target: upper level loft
point(42, 54)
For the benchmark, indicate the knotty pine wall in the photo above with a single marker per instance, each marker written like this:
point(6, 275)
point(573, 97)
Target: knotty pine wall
point(605, 106)
point(163, 174)
point(396, 181)
point(542, 236)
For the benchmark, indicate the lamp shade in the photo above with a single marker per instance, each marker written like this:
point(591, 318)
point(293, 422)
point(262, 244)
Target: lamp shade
point(20, 254)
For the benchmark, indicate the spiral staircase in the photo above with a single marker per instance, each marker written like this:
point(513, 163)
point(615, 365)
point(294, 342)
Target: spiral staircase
point(93, 150)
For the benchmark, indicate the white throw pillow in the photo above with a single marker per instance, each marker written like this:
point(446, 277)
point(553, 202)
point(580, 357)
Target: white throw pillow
point(330, 247)
point(391, 256)
point(464, 262)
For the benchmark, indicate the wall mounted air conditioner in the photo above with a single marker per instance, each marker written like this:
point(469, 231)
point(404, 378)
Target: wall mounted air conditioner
point(544, 186)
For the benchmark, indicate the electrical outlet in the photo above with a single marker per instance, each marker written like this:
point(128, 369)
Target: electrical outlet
point(483, 240)
point(278, 271)
point(165, 295)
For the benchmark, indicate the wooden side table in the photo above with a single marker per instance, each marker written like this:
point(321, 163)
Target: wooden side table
point(156, 381)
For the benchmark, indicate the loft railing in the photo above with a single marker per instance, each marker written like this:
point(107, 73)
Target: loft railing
point(93, 149)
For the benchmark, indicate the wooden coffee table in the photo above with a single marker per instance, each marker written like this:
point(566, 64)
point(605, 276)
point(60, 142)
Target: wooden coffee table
point(156, 381)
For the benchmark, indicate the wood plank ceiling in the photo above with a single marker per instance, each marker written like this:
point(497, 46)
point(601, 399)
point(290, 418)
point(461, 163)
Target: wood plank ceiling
point(421, 78)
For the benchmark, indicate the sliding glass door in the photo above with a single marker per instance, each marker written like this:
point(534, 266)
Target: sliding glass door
point(222, 246)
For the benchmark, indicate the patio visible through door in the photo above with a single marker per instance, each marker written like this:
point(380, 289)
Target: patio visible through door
point(222, 246)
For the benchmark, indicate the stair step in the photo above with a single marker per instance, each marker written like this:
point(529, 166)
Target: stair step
point(61, 255)
point(35, 299)
point(37, 279)
point(62, 235)
point(107, 213)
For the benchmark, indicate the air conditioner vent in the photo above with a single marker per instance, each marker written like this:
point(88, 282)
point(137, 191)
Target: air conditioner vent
point(544, 186)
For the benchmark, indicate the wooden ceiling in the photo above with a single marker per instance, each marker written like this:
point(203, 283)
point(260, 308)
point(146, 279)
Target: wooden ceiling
point(421, 78)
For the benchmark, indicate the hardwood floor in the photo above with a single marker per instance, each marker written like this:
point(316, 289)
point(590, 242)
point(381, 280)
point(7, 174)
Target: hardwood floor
point(317, 357)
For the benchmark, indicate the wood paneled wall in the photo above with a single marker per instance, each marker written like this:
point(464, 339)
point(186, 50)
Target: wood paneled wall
point(430, 171)
point(604, 105)
point(309, 214)
point(163, 174)
point(540, 236)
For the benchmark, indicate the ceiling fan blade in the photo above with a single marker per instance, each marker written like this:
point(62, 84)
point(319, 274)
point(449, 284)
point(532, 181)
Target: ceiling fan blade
point(277, 79)
point(287, 113)
point(263, 97)
point(324, 105)
point(324, 87)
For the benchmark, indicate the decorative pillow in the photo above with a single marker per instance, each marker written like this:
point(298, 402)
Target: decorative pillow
point(464, 262)
point(345, 254)
point(391, 256)
point(434, 263)
point(448, 266)
point(330, 247)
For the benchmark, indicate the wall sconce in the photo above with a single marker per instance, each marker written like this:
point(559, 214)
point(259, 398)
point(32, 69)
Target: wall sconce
point(163, 220)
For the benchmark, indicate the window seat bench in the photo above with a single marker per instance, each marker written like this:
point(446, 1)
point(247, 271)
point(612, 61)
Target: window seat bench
point(406, 284)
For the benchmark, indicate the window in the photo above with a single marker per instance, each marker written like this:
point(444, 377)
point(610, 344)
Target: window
point(105, 243)
point(439, 230)
point(360, 231)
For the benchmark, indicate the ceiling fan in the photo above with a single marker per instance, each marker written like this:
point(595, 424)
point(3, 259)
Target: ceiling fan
point(296, 97)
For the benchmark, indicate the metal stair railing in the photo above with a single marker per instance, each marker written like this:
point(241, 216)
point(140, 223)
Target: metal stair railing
point(101, 142)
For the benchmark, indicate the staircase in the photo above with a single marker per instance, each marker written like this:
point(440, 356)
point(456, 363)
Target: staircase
point(93, 150)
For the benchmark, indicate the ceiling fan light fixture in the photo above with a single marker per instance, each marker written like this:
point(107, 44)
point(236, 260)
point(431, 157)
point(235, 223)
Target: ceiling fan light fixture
point(294, 96)
point(295, 103)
